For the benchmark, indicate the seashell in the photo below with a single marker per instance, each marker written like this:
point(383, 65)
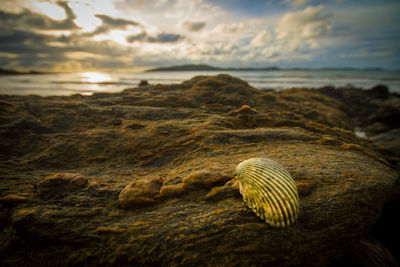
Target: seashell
point(269, 190)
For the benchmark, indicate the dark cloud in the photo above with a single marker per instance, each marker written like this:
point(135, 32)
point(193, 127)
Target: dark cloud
point(23, 42)
point(30, 20)
point(193, 26)
point(68, 11)
point(19, 37)
point(138, 37)
point(165, 38)
point(37, 50)
point(116, 22)
point(159, 38)
point(110, 23)
point(43, 55)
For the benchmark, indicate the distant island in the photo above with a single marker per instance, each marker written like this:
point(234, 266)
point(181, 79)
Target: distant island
point(15, 72)
point(204, 67)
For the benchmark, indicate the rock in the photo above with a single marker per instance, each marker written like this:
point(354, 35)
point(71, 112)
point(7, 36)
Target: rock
point(379, 91)
point(165, 194)
point(390, 140)
point(368, 252)
point(144, 83)
point(25, 125)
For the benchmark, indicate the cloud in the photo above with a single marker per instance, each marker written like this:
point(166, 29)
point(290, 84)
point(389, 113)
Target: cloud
point(193, 26)
point(143, 33)
point(159, 38)
point(309, 23)
point(297, 3)
point(68, 11)
point(297, 36)
point(230, 29)
point(109, 23)
point(261, 39)
point(23, 42)
point(107, 20)
point(166, 14)
point(365, 53)
point(27, 19)
point(29, 48)
point(190, 9)
point(165, 38)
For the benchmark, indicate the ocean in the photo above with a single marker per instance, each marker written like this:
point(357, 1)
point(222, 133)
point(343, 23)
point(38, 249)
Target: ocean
point(91, 82)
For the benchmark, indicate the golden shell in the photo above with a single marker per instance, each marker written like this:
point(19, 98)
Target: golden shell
point(269, 190)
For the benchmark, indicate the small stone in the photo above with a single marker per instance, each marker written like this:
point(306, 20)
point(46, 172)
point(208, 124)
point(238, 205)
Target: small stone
point(305, 187)
point(204, 179)
point(140, 193)
point(172, 190)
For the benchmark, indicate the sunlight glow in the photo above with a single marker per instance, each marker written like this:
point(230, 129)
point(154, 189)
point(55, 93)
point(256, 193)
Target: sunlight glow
point(94, 77)
point(117, 36)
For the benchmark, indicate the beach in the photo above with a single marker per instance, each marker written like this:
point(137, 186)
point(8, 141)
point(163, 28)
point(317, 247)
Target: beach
point(173, 148)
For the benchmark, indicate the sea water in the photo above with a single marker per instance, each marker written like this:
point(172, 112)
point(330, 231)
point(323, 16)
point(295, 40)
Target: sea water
point(91, 82)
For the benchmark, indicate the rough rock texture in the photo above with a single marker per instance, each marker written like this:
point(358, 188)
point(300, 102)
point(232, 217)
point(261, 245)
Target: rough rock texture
point(146, 176)
point(375, 111)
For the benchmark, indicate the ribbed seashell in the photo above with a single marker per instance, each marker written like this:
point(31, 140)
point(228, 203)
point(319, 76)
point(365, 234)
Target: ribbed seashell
point(269, 190)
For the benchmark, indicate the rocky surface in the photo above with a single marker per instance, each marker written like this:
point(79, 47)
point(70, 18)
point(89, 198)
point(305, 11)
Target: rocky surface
point(146, 176)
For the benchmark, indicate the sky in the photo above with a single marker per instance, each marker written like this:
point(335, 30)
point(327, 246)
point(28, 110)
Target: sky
point(134, 35)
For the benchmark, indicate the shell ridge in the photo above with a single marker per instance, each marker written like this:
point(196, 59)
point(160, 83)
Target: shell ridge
point(274, 207)
point(280, 195)
point(251, 200)
point(255, 204)
point(272, 203)
point(251, 184)
point(291, 198)
point(291, 186)
point(275, 193)
point(285, 175)
point(269, 211)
